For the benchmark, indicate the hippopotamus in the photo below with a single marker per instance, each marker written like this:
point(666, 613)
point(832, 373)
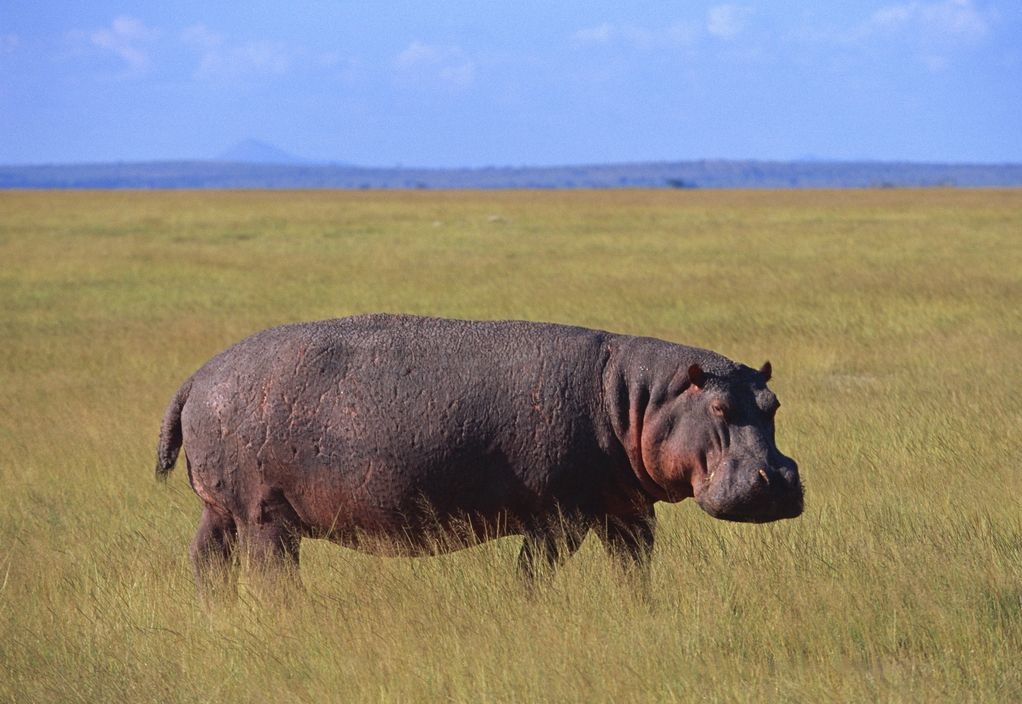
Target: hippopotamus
point(392, 433)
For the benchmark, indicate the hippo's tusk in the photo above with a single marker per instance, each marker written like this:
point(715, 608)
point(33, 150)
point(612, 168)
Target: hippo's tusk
point(762, 473)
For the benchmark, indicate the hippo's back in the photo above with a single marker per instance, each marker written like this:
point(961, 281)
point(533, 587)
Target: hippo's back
point(382, 355)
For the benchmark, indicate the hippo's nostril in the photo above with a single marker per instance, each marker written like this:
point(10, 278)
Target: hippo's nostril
point(789, 473)
point(766, 477)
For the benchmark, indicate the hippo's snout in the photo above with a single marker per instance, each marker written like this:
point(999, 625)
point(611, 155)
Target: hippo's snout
point(788, 500)
point(769, 493)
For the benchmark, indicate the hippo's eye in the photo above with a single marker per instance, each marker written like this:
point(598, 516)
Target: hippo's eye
point(718, 409)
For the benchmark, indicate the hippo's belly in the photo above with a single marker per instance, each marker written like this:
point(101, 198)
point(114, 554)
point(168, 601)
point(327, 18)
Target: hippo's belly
point(344, 482)
point(411, 505)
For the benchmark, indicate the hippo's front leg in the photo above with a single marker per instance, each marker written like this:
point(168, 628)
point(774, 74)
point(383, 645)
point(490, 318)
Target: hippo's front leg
point(549, 543)
point(629, 538)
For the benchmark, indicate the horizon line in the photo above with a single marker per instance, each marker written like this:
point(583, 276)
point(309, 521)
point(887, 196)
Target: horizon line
point(305, 163)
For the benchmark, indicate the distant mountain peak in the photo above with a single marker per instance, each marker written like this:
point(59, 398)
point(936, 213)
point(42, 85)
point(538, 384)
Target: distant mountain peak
point(252, 151)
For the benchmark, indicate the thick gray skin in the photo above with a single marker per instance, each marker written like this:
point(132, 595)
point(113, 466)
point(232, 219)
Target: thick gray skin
point(415, 429)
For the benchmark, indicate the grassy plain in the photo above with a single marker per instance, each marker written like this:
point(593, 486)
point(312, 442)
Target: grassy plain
point(894, 323)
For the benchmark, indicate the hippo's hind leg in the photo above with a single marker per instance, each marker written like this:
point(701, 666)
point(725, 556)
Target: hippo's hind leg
point(272, 540)
point(212, 553)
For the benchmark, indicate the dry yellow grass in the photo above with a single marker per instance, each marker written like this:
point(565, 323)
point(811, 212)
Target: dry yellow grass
point(894, 322)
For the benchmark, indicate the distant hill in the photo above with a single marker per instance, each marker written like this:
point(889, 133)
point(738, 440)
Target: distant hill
point(252, 151)
point(256, 173)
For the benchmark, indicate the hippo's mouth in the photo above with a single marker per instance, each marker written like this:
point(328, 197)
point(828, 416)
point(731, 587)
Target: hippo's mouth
point(775, 512)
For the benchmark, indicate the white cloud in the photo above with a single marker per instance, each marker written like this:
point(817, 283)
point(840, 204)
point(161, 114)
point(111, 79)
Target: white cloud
point(417, 54)
point(126, 37)
point(448, 66)
point(946, 20)
point(727, 21)
point(219, 59)
point(934, 31)
point(931, 33)
point(461, 75)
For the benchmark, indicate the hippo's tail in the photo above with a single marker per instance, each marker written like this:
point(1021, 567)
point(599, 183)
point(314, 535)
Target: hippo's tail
point(170, 433)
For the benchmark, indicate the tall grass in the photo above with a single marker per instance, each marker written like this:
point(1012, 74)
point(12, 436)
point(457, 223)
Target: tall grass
point(894, 323)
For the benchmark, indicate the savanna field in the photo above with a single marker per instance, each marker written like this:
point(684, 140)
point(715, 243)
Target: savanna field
point(892, 318)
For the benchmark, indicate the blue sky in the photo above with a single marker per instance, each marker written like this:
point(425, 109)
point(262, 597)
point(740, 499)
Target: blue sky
point(476, 83)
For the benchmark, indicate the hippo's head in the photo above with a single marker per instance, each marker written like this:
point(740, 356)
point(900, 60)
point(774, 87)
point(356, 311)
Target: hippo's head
point(713, 439)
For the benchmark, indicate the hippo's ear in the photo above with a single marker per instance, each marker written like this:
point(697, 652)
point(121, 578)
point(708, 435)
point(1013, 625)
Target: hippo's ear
point(692, 379)
point(696, 376)
point(766, 370)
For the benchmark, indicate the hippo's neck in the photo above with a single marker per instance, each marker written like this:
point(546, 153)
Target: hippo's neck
point(641, 376)
point(632, 393)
